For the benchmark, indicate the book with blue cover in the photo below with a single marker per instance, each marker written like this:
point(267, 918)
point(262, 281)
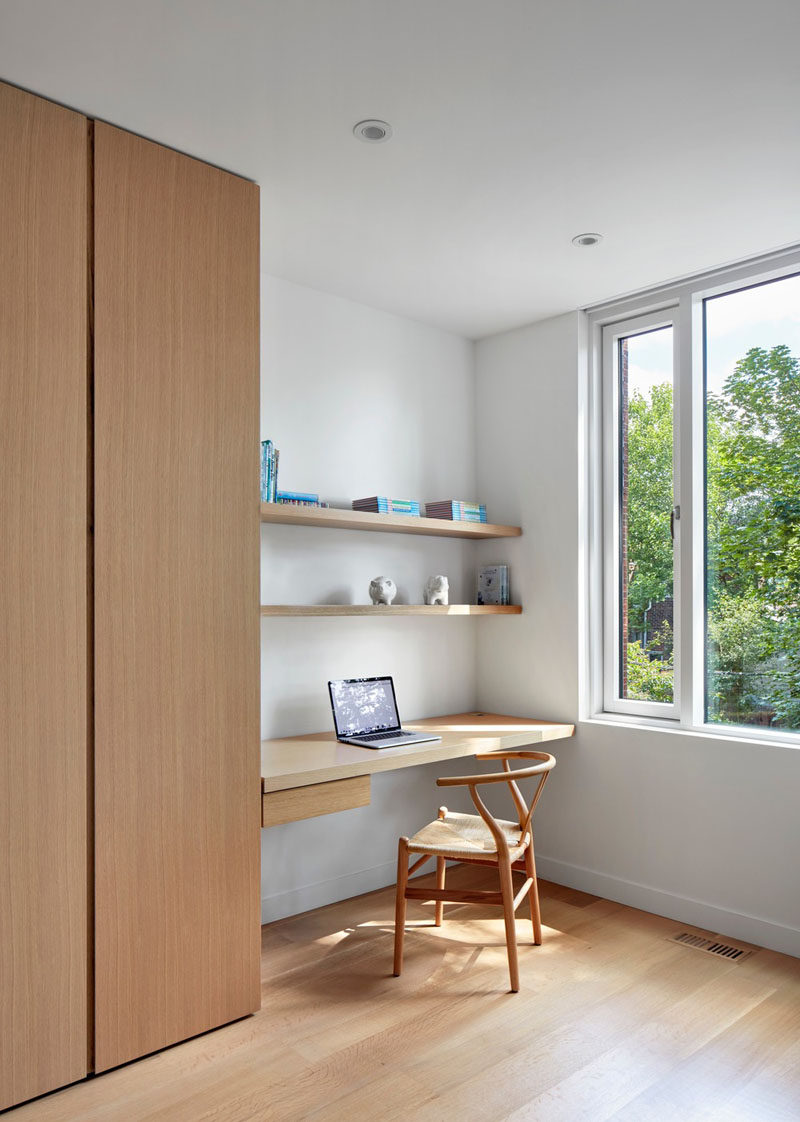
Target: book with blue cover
point(296, 497)
point(270, 456)
point(381, 504)
point(493, 585)
point(267, 470)
point(457, 510)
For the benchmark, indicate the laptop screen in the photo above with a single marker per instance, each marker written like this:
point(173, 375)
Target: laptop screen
point(362, 705)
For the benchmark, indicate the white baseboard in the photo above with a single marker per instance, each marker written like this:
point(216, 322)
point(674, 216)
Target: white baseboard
point(308, 896)
point(696, 913)
point(684, 909)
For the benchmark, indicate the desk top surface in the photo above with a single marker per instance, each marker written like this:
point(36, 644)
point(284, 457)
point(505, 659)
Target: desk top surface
point(298, 761)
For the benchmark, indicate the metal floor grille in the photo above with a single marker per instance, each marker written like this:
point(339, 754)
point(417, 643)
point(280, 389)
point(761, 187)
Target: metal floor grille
point(713, 946)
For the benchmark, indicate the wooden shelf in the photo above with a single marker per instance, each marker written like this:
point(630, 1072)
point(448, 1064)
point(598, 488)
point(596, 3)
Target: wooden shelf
point(387, 523)
point(390, 610)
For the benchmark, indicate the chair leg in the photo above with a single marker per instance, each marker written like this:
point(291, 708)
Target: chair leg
point(507, 891)
point(441, 865)
point(536, 915)
point(400, 905)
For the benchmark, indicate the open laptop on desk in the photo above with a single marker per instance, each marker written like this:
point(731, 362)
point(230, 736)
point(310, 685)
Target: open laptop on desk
point(365, 714)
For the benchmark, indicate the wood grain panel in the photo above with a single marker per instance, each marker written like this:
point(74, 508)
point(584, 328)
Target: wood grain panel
point(43, 596)
point(314, 800)
point(177, 539)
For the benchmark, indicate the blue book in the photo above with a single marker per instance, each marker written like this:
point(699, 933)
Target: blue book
point(266, 462)
point(456, 510)
point(296, 497)
point(380, 504)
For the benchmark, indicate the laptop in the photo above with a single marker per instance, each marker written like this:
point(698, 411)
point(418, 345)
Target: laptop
point(365, 713)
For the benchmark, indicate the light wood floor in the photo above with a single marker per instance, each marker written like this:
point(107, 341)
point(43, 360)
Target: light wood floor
point(613, 1021)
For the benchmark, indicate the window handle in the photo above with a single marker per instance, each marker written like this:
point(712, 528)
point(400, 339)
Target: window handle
point(674, 516)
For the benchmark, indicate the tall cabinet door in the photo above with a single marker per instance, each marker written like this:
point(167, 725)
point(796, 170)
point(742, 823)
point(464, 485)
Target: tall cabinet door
point(43, 596)
point(176, 612)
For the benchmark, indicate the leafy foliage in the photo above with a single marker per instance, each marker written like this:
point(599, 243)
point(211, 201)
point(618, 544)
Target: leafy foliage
point(755, 465)
point(648, 679)
point(649, 501)
point(753, 538)
point(753, 468)
point(741, 639)
point(742, 634)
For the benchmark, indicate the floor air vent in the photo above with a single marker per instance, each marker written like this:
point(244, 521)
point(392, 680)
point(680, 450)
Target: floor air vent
point(713, 946)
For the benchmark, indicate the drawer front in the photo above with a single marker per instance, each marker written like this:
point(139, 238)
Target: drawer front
point(297, 803)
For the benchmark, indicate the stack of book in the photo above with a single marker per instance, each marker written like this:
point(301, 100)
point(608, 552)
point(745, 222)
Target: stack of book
point(269, 471)
point(298, 498)
point(378, 504)
point(493, 585)
point(457, 510)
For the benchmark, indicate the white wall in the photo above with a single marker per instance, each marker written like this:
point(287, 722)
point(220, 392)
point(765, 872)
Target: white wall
point(703, 829)
point(360, 403)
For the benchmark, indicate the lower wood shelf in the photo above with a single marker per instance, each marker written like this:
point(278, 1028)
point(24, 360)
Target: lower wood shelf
point(390, 609)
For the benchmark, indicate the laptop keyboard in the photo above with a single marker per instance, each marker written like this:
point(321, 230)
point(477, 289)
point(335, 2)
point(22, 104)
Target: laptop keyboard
point(383, 735)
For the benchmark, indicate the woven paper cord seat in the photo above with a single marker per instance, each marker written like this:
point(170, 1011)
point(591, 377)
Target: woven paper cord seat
point(466, 835)
point(481, 839)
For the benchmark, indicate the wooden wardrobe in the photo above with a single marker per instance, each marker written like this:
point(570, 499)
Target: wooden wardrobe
point(129, 758)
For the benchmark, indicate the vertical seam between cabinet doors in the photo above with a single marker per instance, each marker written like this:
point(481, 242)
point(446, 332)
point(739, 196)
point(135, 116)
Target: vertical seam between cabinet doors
point(90, 645)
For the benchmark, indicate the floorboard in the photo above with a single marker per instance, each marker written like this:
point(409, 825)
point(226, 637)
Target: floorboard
point(613, 1021)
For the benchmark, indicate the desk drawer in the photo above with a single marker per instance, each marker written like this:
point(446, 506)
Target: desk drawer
point(296, 803)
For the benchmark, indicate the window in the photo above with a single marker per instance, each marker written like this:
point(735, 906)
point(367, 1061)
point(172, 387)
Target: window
point(640, 484)
point(699, 505)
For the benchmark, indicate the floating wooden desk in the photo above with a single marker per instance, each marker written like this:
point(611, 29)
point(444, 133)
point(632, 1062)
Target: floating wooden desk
point(304, 776)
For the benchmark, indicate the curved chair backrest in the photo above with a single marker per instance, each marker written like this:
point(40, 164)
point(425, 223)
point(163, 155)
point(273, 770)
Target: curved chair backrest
point(524, 812)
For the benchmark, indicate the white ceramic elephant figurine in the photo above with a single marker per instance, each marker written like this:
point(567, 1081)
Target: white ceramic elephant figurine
point(382, 590)
point(437, 590)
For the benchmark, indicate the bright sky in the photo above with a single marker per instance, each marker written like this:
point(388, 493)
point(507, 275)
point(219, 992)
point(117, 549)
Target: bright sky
point(754, 317)
point(649, 360)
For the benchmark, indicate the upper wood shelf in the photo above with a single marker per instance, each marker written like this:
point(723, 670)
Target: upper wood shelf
point(390, 610)
point(387, 523)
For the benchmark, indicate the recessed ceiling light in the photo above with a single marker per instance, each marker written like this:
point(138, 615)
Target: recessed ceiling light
point(372, 132)
point(587, 239)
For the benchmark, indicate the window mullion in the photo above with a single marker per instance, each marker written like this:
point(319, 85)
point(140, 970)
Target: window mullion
point(611, 520)
point(684, 508)
point(697, 558)
point(691, 453)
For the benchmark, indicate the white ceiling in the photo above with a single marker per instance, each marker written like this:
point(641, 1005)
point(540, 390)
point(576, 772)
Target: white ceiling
point(671, 128)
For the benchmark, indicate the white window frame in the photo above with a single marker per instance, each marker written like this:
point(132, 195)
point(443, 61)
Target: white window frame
point(612, 334)
point(682, 305)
